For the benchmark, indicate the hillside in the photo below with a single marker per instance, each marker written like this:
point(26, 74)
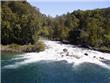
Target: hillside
point(22, 24)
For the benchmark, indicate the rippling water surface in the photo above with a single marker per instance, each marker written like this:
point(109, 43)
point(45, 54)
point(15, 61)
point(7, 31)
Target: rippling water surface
point(38, 68)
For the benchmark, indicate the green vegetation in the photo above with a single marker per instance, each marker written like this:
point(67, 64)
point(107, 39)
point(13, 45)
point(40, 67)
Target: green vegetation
point(14, 46)
point(20, 22)
point(37, 47)
point(23, 24)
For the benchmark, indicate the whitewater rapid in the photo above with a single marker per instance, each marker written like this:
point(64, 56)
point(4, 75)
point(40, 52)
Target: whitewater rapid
point(54, 52)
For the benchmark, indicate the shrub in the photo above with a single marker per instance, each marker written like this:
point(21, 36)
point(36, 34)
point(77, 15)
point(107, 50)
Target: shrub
point(37, 47)
point(14, 46)
point(28, 48)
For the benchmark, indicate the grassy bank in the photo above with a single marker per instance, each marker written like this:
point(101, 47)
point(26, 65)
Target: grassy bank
point(103, 49)
point(37, 47)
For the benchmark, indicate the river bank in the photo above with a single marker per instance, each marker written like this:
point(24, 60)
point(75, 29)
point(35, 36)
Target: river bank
point(8, 48)
point(41, 47)
point(37, 47)
point(101, 49)
point(55, 51)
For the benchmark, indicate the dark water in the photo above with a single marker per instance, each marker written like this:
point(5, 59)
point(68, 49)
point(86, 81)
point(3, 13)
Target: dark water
point(51, 72)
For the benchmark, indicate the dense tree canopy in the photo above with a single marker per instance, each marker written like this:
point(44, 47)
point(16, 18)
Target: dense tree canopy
point(22, 24)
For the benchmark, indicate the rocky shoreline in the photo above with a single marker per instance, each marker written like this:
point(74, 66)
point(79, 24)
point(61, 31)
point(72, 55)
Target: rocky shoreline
point(26, 48)
point(32, 48)
point(101, 49)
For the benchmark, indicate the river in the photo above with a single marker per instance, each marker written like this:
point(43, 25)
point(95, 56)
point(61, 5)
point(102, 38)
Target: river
point(50, 66)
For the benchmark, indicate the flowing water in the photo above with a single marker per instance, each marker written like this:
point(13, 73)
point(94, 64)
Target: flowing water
point(50, 66)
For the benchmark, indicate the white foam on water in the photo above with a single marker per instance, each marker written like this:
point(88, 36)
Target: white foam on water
point(54, 52)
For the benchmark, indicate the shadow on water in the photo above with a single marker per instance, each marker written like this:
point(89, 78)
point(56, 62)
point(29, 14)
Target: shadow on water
point(56, 72)
point(8, 55)
point(106, 62)
point(9, 58)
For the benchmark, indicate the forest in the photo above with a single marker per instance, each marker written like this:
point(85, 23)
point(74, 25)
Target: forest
point(23, 24)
